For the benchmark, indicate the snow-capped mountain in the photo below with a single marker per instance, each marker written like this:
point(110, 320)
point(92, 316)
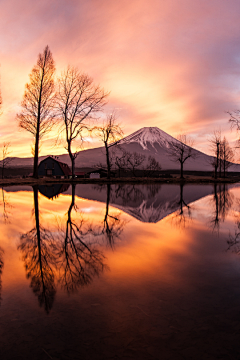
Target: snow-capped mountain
point(148, 141)
point(147, 203)
point(148, 136)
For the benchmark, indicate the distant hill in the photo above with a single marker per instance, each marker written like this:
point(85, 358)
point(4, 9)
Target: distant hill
point(147, 141)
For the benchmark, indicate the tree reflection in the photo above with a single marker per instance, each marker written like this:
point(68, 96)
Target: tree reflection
point(6, 207)
point(222, 201)
point(79, 260)
point(112, 224)
point(38, 249)
point(127, 193)
point(1, 269)
point(183, 214)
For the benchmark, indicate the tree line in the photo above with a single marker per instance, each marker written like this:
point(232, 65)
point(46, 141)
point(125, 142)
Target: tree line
point(72, 101)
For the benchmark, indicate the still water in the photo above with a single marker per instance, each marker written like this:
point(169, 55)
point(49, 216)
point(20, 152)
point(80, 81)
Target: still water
point(120, 272)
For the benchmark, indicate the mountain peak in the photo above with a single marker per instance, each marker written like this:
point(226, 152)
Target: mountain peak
point(148, 135)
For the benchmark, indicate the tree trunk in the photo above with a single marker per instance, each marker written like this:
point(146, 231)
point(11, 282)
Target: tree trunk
point(181, 172)
point(35, 167)
point(181, 199)
point(73, 167)
point(108, 161)
point(72, 159)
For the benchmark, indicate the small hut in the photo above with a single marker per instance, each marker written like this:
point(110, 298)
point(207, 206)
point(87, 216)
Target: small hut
point(53, 168)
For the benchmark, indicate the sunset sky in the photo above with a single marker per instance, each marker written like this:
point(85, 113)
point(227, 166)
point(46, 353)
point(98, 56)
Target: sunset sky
point(174, 64)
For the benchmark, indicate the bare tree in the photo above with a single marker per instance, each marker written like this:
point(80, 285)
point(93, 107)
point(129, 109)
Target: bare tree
point(120, 162)
point(135, 160)
point(6, 160)
point(227, 155)
point(109, 133)
point(38, 102)
point(215, 146)
point(78, 99)
point(152, 166)
point(181, 150)
point(234, 119)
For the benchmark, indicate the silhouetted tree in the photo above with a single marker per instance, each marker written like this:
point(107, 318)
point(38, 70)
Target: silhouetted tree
point(181, 150)
point(79, 261)
point(109, 133)
point(38, 102)
point(152, 166)
point(6, 160)
point(215, 146)
point(38, 248)
point(134, 160)
point(227, 155)
point(78, 99)
point(121, 161)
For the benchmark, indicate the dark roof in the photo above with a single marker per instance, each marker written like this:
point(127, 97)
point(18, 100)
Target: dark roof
point(65, 168)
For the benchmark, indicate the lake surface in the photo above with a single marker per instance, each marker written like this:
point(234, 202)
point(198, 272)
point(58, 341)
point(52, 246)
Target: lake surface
point(120, 272)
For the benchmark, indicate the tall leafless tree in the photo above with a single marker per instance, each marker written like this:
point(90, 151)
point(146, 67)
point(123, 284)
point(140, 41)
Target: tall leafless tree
point(181, 150)
point(215, 146)
point(110, 132)
point(227, 155)
point(78, 100)
point(37, 114)
point(6, 160)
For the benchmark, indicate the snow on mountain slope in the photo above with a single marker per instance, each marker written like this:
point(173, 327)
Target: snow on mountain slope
point(149, 135)
point(148, 141)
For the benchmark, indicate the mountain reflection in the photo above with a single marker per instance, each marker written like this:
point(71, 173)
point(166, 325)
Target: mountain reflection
point(148, 203)
point(38, 249)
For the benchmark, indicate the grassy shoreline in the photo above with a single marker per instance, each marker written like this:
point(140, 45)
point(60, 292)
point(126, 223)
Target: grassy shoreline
point(174, 180)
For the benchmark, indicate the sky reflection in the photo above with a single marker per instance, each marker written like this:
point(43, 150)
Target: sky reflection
point(165, 278)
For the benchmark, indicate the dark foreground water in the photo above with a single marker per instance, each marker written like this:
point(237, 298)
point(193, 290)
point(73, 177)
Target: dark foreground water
point(120, 272)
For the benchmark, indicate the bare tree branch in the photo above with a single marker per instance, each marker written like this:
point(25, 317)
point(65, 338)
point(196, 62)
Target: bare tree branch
point(109, 133)
point(37, 115)
point(78, 100)
point(181, 150)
